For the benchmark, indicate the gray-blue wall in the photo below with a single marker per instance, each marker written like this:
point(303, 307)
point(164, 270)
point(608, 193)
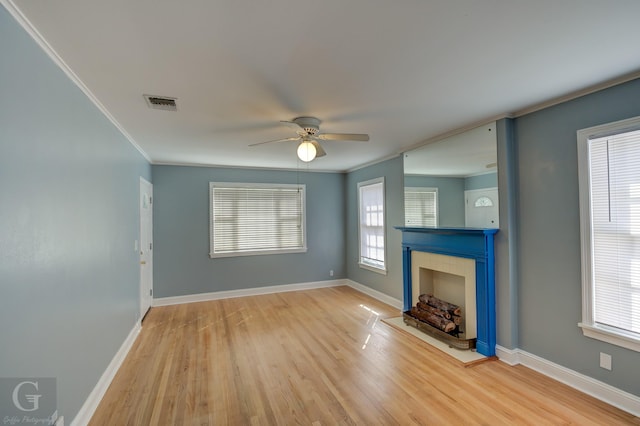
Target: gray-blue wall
point(506, 240)
point(392, 171)
point(549, 234)
point(181, 233)
point(450, 197)
point(488, 180)
point(69, 182)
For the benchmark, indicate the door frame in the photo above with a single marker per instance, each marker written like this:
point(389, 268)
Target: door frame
point(146, 295)
point(473, 192)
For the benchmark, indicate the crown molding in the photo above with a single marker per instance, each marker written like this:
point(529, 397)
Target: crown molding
point(577, 94)
point(50, 51)
point(373, 162)
point(226, 166)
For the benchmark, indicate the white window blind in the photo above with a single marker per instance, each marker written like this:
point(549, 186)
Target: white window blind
point(615, 222)
point(249, 219)
point(372, 227)
point(420, 206)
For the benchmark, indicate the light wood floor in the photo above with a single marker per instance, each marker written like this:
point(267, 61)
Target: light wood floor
point(320, 357)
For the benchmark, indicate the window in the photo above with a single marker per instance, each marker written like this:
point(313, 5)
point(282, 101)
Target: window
point(372, 229)
point(420, 206)
point(250, 219)
point(483, 201)
point(610, 229)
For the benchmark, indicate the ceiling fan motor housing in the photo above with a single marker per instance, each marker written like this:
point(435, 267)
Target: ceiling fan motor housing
point(310, 125)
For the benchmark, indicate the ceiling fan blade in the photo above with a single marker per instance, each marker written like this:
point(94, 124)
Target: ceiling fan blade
point(343, 137)
point(277, 140)
point(320, 152)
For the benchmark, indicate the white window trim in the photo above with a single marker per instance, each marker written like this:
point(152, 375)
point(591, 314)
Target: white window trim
point(437, 202)
point(382, 271)
point(303, 249)
point(589, 327)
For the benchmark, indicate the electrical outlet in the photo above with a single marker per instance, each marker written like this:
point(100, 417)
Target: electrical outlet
point(605, 361)
point(331, 273)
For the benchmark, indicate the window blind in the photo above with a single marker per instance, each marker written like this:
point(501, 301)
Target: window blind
point(420, 206)
point(372, 251)
point(260, 219)
point(615, 222)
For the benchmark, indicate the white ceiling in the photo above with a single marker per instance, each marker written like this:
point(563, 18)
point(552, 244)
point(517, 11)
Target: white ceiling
point(404, 71)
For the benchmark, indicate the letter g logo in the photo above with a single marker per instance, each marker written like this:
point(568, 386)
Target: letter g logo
point(33, 399)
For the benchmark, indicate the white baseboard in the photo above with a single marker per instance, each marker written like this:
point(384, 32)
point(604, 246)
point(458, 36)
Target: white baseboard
point(375, 294)
point(93, 400)
point(508, 356)
point(600, 390)
point(217, 295)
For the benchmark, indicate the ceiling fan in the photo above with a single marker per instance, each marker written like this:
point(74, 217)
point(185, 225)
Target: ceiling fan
point(308, 130)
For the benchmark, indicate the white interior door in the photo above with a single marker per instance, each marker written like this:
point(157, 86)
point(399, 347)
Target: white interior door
point(146, 246)
point(481, 208)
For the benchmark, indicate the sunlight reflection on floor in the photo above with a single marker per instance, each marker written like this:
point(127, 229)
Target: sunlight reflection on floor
point(372, 321)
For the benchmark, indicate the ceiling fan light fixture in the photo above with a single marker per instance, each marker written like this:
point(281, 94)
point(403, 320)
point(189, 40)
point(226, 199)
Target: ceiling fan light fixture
point(309, 137)
point(306, 151)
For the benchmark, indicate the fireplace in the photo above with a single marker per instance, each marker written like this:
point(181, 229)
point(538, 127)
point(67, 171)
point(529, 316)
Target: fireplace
point(455, 265)
point(448, 278)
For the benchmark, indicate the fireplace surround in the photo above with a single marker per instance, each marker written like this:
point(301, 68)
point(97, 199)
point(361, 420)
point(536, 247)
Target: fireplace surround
point(462, 244)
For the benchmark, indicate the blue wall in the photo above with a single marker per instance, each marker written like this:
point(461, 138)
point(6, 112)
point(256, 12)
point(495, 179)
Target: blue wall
point(507, 239)
point(549, 234)
point(488, 180)
point(181, 233)
point(392, 171)
point(69, 182)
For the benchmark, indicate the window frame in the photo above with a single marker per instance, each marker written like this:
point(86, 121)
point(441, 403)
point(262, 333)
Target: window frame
point(257, 252)
point(424, 189)
point(380, 270)
point(590, 328)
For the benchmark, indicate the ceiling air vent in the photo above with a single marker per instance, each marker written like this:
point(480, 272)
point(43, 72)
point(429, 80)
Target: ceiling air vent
point(161, 102)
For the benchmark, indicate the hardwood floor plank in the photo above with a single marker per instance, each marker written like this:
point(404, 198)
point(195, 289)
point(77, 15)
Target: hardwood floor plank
point(320, 357)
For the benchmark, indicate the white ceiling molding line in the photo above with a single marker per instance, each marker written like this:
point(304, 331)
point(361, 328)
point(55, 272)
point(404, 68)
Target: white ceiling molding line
point(226, 166)
point(577, 94)
point(44, 45)
point(454, 132)
point(371, 163)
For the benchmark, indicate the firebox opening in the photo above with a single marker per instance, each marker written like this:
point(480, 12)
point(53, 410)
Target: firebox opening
point(448, 278)
point(444, 286)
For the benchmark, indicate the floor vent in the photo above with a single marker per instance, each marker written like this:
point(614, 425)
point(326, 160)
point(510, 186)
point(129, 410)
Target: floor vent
point(161, 102)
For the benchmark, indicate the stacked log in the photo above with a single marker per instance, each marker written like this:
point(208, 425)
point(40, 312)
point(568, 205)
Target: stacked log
point(429, 299)
point(440, 323)
point(439, 312)
point(443, 315)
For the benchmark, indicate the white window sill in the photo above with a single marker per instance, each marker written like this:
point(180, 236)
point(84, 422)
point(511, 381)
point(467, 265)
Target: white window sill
point(257, 253)
point(610, 335)
point(373, 268)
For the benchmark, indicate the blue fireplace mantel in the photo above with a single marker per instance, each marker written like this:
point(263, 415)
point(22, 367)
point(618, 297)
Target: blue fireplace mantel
point(471, 243)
